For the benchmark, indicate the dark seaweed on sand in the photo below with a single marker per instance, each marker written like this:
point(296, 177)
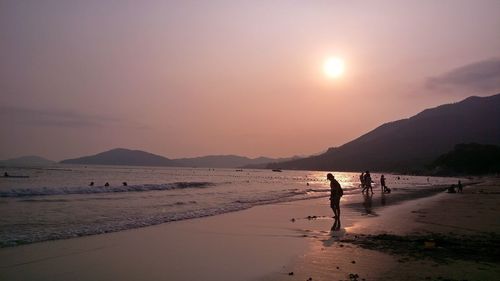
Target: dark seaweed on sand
point(438, 247)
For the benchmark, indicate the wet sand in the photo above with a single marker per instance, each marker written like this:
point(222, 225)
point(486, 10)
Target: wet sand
point(444, 237)
point(243, 245)
point(288, 241)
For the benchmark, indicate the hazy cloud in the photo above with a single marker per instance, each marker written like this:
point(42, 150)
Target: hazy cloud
point(482, 76)
point(52, 118)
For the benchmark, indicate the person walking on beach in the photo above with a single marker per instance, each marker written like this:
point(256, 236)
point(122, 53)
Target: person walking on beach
point(361, 180)
point(335, 193)
point(367, 181)
point(460, 187)
point(382, 184)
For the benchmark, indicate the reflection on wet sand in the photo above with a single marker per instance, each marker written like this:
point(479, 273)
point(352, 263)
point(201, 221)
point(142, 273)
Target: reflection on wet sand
point(367, 204)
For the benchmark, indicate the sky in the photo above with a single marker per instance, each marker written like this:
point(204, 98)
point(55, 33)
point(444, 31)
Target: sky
point(192, 78)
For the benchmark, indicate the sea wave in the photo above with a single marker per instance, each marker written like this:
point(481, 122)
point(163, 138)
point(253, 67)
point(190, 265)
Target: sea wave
point(15, 238)
point(346, 189)
point(270, 198)
point(45, 191)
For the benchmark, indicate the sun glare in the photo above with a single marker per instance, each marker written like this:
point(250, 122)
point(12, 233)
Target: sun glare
point(333, 67)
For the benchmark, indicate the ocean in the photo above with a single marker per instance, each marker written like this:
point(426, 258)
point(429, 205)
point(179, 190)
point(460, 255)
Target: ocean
point(57, 202)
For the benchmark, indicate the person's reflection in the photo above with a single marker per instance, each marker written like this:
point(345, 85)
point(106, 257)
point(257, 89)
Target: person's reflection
point(367, 202)
point(382, 199)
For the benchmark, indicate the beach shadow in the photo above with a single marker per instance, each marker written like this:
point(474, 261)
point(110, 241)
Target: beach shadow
point(335, 236)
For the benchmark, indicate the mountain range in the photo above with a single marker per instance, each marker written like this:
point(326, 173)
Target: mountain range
point(27, 161)
point(122, 156)
point(408, 145)
point(228, 161)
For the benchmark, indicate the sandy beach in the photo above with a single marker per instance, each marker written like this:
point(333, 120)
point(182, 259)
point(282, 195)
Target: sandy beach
point(439, 237)
point(443, 237)
point(249, 140)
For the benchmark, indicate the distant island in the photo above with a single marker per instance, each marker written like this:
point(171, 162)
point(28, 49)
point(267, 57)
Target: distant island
point(122, 156)
point(410, 145)
point(229, 161)
point(27, 161)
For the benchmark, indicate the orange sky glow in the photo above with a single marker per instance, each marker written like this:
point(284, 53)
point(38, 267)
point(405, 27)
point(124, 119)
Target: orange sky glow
point(192, 78)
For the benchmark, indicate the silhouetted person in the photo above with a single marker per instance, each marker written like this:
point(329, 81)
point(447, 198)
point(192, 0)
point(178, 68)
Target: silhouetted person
point(106, 184)
point(460, 187)
point(335, 193)
point(367, 181)
point(124, 183)
point(362, 180)
point(384, 187)
point(91, 183)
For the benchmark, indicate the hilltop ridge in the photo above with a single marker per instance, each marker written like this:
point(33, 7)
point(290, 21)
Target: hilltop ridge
point(409, 144)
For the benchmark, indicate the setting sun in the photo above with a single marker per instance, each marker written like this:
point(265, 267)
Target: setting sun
point(157, 129)
point(333, 67)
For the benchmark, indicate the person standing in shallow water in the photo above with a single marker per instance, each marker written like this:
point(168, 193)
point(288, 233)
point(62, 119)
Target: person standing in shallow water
point(335, 193)
point(367, 182)
point(382, 184)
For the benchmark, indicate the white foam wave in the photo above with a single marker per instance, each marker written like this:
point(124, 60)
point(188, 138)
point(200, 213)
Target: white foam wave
point(8, 239)
point(44, 191)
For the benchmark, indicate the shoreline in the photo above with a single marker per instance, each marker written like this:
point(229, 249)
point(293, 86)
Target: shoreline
point(225, 247)
point(364, 206)
point(432, 240)
point(260, 243)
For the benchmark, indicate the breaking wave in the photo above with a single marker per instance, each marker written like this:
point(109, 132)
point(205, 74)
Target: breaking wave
point(44, 191)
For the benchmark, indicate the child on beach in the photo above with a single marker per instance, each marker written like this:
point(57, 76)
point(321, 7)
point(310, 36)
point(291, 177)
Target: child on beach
point(335, 193)
point(384, 187)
